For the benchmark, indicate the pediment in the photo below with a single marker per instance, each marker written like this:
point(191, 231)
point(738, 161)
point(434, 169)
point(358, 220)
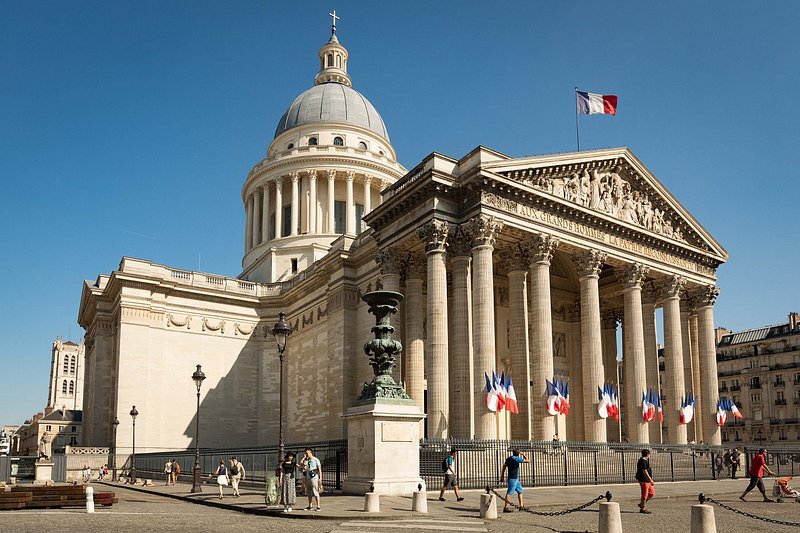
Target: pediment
point(612, 183)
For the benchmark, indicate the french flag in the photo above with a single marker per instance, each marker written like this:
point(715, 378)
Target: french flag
point(511, 398)
point(595, 104)
point(492, 400)
point(499, 385)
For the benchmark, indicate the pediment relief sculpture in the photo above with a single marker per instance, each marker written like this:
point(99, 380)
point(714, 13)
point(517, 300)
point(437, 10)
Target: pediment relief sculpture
point(613, 193)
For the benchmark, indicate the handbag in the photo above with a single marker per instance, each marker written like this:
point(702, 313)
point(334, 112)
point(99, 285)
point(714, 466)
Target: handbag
point(222, 480)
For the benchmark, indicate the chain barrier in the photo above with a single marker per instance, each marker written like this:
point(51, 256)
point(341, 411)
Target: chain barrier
point(703, 498)
point(606, 496)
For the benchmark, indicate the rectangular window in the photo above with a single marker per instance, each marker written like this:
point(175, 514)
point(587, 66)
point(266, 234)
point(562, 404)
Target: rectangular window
point(294, 265)
point(74, 429)
point(272, 226)
point(48, 428)
point(360, 226)
point(287, 221)
point(73, 441)
point(339, 216)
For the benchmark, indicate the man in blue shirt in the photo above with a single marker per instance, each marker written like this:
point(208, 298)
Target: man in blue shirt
point(313, 471)
point(512, 464)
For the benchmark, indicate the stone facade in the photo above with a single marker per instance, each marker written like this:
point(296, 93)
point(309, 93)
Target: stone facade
point(66, 375)
point(759, 369)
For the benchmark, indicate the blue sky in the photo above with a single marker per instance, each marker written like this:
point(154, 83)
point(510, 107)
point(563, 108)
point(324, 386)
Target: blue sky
point(128, 128)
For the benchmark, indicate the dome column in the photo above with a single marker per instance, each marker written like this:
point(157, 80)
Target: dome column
point(295, 177)
point(331, 201)
point(248, 231)
point(312, 201)
point(367, 194)
point(265, 213)
point(256, 218)
point(350, 225)
point(278, 208)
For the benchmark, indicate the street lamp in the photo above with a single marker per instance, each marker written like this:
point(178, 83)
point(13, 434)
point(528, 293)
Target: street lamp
point(198, 378)
point(134, 413)
point(115, 423)
point(281, 330)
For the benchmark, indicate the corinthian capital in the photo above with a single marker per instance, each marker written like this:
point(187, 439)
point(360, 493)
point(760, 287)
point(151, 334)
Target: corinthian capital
point(649, 292)
point(294, 176)
point(671, 286)
point(415, 267)
point(515, 258)
point(312, 174)
point(483, 230)
point(633, 275)
point(459, 244)
point(589, 262)
point(331, 173)
point(541, 247)
point(434, 235)
point(706, 296)
point(390, 260)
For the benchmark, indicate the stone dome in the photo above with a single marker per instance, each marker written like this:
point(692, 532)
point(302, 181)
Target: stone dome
point(332, 103)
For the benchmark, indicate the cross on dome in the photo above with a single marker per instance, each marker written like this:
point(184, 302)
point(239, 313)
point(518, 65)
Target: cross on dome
point(334, 18)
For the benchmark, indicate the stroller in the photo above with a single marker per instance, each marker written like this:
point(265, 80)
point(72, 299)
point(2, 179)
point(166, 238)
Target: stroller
point(782, 490)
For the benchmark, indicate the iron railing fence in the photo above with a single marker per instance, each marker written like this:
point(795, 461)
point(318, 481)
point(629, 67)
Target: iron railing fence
point(259, 462)
point(480, 462)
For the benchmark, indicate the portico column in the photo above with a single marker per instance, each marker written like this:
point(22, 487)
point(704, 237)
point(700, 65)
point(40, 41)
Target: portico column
point(540, 250)
point(295, 177)
point(414, 345)
point(483, 230)
point(331, 201)
point(434, 236)
point(350, 224)
point(575, 428)
point(265, 213)
point(699, 416)
point(651, 352)
point(248, 228)
point(634, 360)
point(278, 208)
point(256, 218)
point(588, 265)
point(708, 361)
point(686, 348)
point(674, 386)
point(609, 318)
point(312, 201)
point(517, 263)
point(367, 194)
point(462, 395)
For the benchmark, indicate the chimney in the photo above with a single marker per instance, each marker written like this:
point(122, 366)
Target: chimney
point(794, 320)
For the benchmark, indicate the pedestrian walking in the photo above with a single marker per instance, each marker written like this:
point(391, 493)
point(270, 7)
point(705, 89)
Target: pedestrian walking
point(727, 461)
point(450, 478)
point(286, 482)
point(313, 478)
point(222, 477)
point(757, 468)
point(168, 471)
point(644, 475)
point(237, 474)
point(719, 462)
point(736, 462)
point(105, 472)
point(176, 469)
point(514, 486)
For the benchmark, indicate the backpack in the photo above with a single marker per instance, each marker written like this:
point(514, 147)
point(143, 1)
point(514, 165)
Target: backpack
point(234, 470)
point(445, 465)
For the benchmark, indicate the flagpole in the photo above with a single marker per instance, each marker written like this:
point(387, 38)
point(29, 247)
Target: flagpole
point(577, 130)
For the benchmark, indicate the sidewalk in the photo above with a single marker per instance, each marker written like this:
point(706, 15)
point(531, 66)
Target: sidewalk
point(336, 506)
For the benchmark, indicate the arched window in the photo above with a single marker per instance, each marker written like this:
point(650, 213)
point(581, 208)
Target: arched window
point(72, 365)
point(338, 141)
point(66, 364)
point(338, 61)
point(312, 141)
point(290, 146)
point(362, 145)
point(330, 60)
point(64, 387)
point(72, 387)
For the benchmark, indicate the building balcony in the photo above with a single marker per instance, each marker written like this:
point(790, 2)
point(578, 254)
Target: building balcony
point(723, 389)
point(780, 401)
point(735, 388)
point(755, 385)
point(779, 383)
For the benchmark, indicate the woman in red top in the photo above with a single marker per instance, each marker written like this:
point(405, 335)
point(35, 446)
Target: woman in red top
point(757, 468)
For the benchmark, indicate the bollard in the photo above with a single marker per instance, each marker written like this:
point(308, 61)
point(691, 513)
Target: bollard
point(419, 502)
point(703, 520)
point(372, 503)
point(610, 520)
point(89, 500)
point(488, 506)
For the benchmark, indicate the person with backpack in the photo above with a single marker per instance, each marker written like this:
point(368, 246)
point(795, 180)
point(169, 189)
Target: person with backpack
point(222, 477)
point(237, 474)
point(450, 479)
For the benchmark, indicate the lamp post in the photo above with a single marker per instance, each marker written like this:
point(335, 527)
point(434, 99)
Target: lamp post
point(198, 378)
point(281, 330)
point(115, 423)
point(134, 413)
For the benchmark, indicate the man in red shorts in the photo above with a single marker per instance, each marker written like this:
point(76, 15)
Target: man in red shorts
point(644, 475)
point(757, 468)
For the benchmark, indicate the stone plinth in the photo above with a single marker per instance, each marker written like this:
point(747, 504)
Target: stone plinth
point(43, 472)
point(383, 447)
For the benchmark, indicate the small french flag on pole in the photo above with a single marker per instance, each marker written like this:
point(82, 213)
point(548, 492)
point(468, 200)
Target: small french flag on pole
point(595, 104)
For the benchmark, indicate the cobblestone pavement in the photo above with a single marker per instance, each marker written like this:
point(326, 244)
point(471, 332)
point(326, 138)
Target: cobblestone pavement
point(144, 511)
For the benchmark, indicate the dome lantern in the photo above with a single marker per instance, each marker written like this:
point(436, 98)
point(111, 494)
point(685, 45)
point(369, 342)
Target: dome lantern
point(333, 60)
